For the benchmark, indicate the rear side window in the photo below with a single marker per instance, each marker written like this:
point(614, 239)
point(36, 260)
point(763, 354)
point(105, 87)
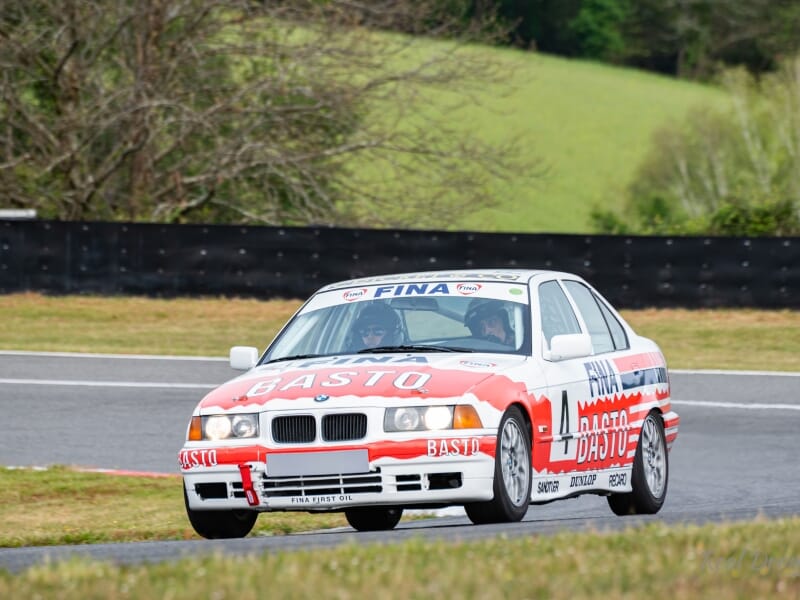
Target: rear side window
point(617, 332)
point(556, 312)
point(606, 331)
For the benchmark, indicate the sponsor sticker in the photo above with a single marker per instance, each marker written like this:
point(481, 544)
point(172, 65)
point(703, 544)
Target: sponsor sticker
point(190, 459)
point(548, 487)
point(582, 480)
point(477, 364)
point(412, 289)
point(617, 480)
point(605, 436)
point(454, 447)
point(326, 499)
point(352, 295)
point(467, 289)
point(404, 380)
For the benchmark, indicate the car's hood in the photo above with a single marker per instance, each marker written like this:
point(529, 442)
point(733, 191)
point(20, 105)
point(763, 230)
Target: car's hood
point(356, 378)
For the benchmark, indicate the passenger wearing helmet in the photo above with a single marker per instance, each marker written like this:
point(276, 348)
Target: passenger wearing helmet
point(376, 325)
point(488, 319)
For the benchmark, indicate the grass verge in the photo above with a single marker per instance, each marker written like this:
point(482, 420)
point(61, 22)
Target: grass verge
point(742, 560)
point(64, 506)
point(741, 339)
point(690, 339)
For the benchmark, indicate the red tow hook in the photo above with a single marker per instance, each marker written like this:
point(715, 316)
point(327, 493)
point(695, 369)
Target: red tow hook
point(247, 485)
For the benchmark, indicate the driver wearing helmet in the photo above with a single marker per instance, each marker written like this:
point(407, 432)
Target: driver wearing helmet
point(488, 319)
point(376, 325)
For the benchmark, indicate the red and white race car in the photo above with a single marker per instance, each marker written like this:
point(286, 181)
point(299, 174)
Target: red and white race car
point(489, 389)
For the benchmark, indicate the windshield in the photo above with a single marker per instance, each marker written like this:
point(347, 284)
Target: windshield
point(409, 317)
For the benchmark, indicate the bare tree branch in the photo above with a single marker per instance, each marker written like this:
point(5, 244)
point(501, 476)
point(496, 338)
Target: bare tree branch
point(283, 112)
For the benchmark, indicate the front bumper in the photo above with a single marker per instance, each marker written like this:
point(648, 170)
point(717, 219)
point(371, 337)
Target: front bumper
point(422, 481)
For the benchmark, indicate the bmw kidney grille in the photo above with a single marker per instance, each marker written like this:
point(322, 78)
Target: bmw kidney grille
point(302, 429)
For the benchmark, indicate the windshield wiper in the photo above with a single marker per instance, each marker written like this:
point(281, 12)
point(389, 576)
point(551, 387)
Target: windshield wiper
point(292, 357)
point(412, 348)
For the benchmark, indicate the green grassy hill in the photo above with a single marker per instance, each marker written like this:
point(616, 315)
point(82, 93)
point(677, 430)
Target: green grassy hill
point(589, 123)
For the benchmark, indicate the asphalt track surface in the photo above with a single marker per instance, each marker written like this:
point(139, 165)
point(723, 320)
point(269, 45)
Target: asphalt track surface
point(735, 457)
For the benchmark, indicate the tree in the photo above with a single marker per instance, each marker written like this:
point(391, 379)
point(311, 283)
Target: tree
point(598, 29)
point(694, 38)
point(735, 172)
point(280, 112)
point(543, 24)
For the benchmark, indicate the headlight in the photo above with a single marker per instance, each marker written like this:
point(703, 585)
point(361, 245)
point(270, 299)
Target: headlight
point(223, 427)
point(402, 419)
point(431, 418)
point(438, 417)
point(217, 427)
point(244, 426)
point(418, 418)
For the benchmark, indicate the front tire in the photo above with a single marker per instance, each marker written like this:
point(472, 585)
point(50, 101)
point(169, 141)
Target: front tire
point(220, 524)
point(650, 472)
point(373, 518)
point(512, 474)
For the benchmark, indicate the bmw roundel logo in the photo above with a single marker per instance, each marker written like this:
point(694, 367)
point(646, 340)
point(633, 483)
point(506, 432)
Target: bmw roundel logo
point(321, 398)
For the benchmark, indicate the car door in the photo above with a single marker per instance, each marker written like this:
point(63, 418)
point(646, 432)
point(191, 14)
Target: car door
point(603, 427)
point(566, 382)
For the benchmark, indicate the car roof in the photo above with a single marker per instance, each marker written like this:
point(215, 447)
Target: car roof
point(499, 275)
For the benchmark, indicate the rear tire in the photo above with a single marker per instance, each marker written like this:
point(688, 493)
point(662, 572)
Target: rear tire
point(373, 518)
point(650, 472)
point(220, 524)
point(512, 474)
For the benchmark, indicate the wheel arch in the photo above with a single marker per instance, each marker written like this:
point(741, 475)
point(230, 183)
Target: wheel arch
point(656, 410)
point(525, 409)
point(526, 414)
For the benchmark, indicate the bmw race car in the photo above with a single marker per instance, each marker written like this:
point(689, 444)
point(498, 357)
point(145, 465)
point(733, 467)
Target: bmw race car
point(487, 389)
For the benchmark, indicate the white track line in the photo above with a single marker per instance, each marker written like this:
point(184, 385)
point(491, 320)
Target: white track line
point(120, 356)
point(721, 372)
point(754, 406)
point(123, 384)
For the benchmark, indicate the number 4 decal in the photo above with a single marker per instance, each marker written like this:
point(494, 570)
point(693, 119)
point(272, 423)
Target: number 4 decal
point(564, 430)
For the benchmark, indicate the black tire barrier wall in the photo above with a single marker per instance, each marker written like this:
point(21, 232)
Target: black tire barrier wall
point(104, 258)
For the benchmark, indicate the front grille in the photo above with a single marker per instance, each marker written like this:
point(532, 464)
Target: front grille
point(295, 429)
point(344, 427)
point(323, 485)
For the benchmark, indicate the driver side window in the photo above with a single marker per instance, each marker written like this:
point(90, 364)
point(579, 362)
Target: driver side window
point(556, 312)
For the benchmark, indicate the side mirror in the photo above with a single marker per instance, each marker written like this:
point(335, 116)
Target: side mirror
point(573, 345)
point(243, 358)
